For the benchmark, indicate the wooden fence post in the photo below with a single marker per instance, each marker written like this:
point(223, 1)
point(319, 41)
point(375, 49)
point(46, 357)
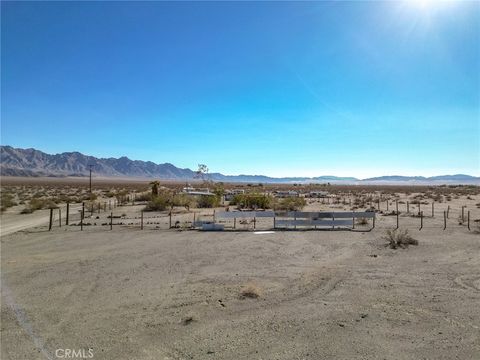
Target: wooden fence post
point(421, 220)
point(433, 209)
point(448, 210)
point(444, 220)
point(254, 222)
point(397, 221)
point(81, 219)
point(170, 219)
point(463, 214)
point(51, 220)
point(68, 213)
point(408, 208)
point(59, 217)
point(111, 220)
point(468, 220)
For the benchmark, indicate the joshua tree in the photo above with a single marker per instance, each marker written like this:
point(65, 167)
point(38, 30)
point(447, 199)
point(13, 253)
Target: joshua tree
point(155, 185)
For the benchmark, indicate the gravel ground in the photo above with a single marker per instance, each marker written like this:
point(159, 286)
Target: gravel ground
point(169, 294)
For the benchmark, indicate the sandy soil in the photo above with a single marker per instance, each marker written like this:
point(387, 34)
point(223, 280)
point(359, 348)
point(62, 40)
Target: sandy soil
point(170, 294)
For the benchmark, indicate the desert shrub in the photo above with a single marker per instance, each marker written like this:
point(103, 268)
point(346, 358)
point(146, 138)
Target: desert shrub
point(158, 203)
point(37, 204)
point(290, 204)
point(399, 239)
point(206, 201)
point(252, 201)
point(182, 200)
point(362, 221)
point(476, 227)
point(144, 197)
point(6, 201)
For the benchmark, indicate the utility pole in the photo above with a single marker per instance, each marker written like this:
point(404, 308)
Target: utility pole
point(90, 166)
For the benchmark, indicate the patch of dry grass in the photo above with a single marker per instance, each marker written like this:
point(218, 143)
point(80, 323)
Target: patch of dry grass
point(399, 239)
point(250, 291)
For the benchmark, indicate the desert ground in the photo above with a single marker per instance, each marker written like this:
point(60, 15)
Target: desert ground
point(177, 293)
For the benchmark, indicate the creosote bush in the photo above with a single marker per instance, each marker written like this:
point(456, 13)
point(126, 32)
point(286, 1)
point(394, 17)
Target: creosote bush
point(7, 201)
point(37, 204)
point(206, 201)
point(168, 200)
point(290, 204)
point(252, 201)
point(399, 239)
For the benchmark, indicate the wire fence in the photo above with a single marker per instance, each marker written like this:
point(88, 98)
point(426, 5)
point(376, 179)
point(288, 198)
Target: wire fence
point(109, 216)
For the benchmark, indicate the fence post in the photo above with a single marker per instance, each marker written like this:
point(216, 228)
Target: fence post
point(463, 214)
point(141, 222)
point(468, 220)
point(397, 221)
point(254, 222)
point(111, 220)
point(433, 209)
point(295, 220)
point(353, 220)
point(408, 208)
point(444, 220)
point(421, 220)
point(68, 213)
point(59, 217)
point(448, 210)
point(387, 205)
point(170, 219)
point(274, 222)
point(81, 219)
point(333, 220)
point(373, 227)
point(378, 201)
point(51, 220)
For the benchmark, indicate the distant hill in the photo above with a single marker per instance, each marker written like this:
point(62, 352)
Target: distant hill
point(32, 162)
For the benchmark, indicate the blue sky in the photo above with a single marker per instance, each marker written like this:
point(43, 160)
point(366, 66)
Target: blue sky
point(275, 88)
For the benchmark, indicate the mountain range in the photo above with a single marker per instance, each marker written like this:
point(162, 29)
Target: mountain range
point(34, 163)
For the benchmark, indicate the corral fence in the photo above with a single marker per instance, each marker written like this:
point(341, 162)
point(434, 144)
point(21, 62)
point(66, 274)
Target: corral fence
point(110, 214)
point(288, 220)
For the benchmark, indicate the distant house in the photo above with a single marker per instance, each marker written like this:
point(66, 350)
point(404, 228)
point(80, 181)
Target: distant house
point(194, 192)
point(229, 194)
point(318, 194)
point(285, 194)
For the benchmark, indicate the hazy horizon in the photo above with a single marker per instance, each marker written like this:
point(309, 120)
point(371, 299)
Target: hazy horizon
point(280, 89)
